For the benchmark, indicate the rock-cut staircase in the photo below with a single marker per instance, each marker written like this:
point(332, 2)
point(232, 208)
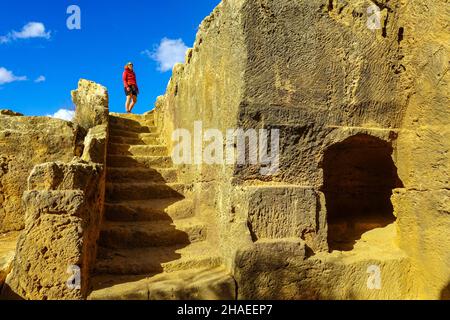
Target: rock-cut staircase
point(151, 245)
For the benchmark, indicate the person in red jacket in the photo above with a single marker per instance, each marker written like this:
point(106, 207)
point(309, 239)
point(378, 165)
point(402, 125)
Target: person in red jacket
point(131, 87)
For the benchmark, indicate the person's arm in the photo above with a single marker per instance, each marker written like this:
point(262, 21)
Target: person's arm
point(124, 78)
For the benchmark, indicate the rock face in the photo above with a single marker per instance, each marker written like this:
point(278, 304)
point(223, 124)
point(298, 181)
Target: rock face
point(362, 115)
point(64, 206)
point(8, 243)
point(5, 112)
point(63, 214)
point(92, 104)
point(357, 208)
point(24, 143)
point(423, 149)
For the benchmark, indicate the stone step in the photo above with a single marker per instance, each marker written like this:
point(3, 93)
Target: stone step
point(127, 131)
point(195, 284)
point(137, 150)
point(141, 139)
point(139, 162)
point(117, 192)
point(119, 175)
point(156, 259)
point(151, 234)
point(150, 210)
point(132, 134)
point(134, 129)
point(132, 116)
point(130, 123)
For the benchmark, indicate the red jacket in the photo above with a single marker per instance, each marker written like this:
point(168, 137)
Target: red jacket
point(129, 78)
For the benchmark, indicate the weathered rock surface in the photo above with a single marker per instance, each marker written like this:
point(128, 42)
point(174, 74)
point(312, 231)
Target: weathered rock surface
point(8, 243)
point(359, 208)
point(152, 246)
point(92, 103)
point(95, 144)
point(204, 284)
point(24, 143)
point(423, 148)
point(352, 105)
point(5, 112)
point(292, 273)
point(64, 209)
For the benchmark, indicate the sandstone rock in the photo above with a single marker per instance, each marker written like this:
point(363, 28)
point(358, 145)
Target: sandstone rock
point(292, 274)
point(50, 244)
point(95, 145)
point(25, 142)
point(10, 113)
point(8, 243)
point(315, 71)
point(64, 208)
point(278, 212)
point(423, 147)
point(204, 284)
point(427, 213)
point(64, 202)
point(64, 176)
point(362, 189)
point(91, 100)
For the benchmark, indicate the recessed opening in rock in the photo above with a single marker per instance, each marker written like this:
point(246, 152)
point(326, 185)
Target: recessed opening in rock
point(359, 176)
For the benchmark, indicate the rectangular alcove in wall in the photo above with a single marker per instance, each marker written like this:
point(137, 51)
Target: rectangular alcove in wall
point(359, 178)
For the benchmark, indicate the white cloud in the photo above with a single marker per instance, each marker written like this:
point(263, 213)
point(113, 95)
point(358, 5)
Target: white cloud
point(168, 53)
point(30, 30)
point(63, 114)
point(40, 79)
point(4, 39)
point(7, 76)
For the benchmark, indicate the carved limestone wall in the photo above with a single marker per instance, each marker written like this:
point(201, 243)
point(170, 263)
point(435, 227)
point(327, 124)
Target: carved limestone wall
point(373, 101)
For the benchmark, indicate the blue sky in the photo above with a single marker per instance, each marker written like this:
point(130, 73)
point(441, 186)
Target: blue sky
point(40, 63)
